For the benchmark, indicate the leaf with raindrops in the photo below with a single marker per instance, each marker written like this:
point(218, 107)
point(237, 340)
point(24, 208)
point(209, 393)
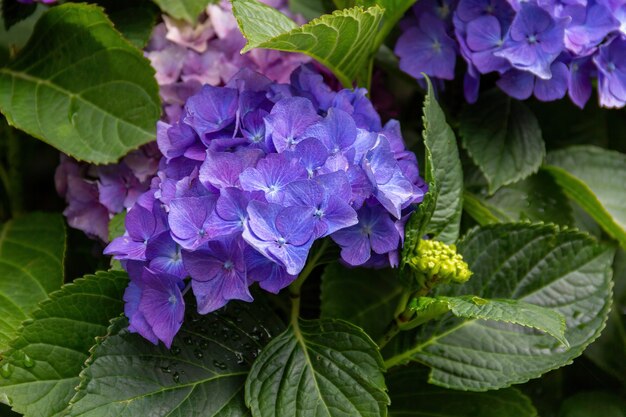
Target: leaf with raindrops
point(202, 375)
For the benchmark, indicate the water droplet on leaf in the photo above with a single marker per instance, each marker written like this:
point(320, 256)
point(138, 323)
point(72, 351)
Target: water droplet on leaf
point(28, 361)
point(6, 370)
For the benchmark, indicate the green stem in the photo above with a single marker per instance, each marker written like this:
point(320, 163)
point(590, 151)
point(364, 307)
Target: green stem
point(403, 315)
point(296, 286)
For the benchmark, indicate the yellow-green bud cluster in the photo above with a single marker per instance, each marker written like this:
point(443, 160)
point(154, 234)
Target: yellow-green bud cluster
point(440, 262)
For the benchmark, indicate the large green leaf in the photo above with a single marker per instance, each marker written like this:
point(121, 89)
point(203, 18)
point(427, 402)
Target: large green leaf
point(503, 310)
point(563, 270)
point(202, 375)
point(81, 87)
point(320, 368)
point(537, 198)
point(412, 396)
point(595, 178)
point(503, 138)
point(373, 296)
point(188, 10)
point(443, 168)
point(48, 354)
point(32, 250)
point(342, 41)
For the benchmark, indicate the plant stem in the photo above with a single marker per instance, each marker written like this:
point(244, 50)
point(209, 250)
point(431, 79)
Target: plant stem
point(404, 316)
point(296, 286)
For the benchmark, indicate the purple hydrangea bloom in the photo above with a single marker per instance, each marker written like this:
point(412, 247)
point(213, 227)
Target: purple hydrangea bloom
point(611, 63)
point(374, 232)
point(540, 48)
point(521, 84)
point(427, 48)
point(185, 58)
point(218, 273)
point(155, 306)
point(224, 211)
point(535, 40)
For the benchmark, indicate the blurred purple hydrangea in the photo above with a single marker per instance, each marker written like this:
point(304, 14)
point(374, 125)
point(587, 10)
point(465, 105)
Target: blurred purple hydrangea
point(545, 48)
point(185, 57)
point(252, 175)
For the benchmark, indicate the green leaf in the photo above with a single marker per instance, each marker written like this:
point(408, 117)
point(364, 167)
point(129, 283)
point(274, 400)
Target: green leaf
point(16, 36)
point(503, 310)
point(117, 225)
point(593, 404)
point(342, 41)
point(135, 19)
point(412, 396)
point(443, 168)
point(188, 10)
point(48, 354)
point(32, 250)
point(537, 198)
point(14, 12)
point(202, 375)
point(318, 368)
point(503, 138)
point(373, 296)
point(310, 9)
point(81, 87)
point(416, 227)
point(595, 178)
point(563, 270)
point(476, 207)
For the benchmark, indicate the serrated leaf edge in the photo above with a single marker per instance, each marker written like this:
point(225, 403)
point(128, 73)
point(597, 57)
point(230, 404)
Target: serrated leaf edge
point(578, 351)
point(136, 51)
point(376, 12)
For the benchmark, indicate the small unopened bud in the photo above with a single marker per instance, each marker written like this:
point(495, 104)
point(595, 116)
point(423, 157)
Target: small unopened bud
point(437, 262)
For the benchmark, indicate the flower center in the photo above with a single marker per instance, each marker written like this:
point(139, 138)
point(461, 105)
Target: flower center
point(437, 46)
point(281, 241)
point(172, 300)
point(532, 39)
point(228, 265)
point(318, 213)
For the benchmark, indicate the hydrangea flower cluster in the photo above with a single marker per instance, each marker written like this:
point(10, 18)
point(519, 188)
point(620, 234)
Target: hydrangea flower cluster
point(184, 57)
point(545, 48)
point(95, 193)
point(253, 174)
